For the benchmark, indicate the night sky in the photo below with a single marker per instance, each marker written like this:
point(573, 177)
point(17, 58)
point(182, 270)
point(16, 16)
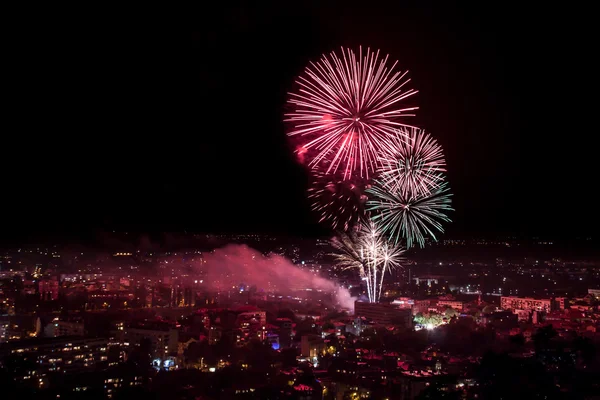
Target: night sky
point(146, 125)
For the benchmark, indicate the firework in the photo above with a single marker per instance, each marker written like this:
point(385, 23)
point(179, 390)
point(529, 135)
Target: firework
point(346, 109)
point(338, 203)
point(409, 217)
point(370, 253)
point(412, 164)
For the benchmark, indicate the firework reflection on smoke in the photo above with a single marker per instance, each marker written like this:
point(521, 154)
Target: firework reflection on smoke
point(346, 109)
point(367, 250)
point(234, 264)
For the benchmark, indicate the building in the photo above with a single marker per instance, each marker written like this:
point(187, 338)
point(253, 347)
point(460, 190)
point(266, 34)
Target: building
point(421, 306)
point(48, 289)
point(252, 317)
point(501, 319)
point(594, 292)
point(404, 302)
point(64, 328)
point(163, 338)
point(357, 326)
point(386, 314)
point(205, 299)
point(314, 315)
point(428, 280)
point(4, 323)
point(457, 305)
point(273, 340)
point(285, 332)
point(522, 315)
point(90, 384)
point(63, 354)
point(117, 379)
point(560, 303)
point(413, 383)
point(537, 317)
point(214, 334)
point(525, 303)
point(417, 306)
point(311, 346)
point(22, 327)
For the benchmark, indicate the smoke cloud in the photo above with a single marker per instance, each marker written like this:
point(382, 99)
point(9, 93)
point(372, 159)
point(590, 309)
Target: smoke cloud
point(234, 264)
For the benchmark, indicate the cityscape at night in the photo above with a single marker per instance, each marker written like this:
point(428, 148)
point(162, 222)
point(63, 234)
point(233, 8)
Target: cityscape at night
point(301, 201)
point(260, 316)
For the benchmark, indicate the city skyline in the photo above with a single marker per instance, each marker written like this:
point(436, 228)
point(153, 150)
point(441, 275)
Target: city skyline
point(309, 200)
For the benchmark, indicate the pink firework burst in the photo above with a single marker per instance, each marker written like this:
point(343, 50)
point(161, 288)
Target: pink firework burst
point(347, 109)
point(412, 164)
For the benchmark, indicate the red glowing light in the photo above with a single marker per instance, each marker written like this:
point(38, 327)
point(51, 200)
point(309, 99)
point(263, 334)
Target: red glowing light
point(346, 109)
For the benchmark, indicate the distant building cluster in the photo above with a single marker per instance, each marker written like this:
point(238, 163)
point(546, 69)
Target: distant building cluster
point(102, 324)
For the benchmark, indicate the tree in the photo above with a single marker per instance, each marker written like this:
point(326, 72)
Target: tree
point(429, 318)
point(252, 290)
point(305, 327)
point(518, 340)
point(286, 313)
point(459, 336)
point(328, 325)
point(434, 319)
point(260, 355)
point(288, 357)
point(140, 355)
point(585, 349)
point(335, 315)
point(419, 318)
point(196, 351)
point(488, 309)
point(542, 337)
point(451, 312)
point(504, 377)
point(438, 391)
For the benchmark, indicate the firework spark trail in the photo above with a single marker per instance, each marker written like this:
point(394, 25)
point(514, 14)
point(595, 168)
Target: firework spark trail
point(337, 202)
point(409, 217)
point(368, 251)
point(413, 163)
point(347, 109)
point(390, 253)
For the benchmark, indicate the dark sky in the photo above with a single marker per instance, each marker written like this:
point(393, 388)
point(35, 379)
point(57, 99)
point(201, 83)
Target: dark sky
point(145, 124)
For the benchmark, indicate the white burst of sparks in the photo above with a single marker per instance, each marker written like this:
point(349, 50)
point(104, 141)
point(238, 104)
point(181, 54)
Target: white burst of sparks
point(371, 254)
point(413, 164)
